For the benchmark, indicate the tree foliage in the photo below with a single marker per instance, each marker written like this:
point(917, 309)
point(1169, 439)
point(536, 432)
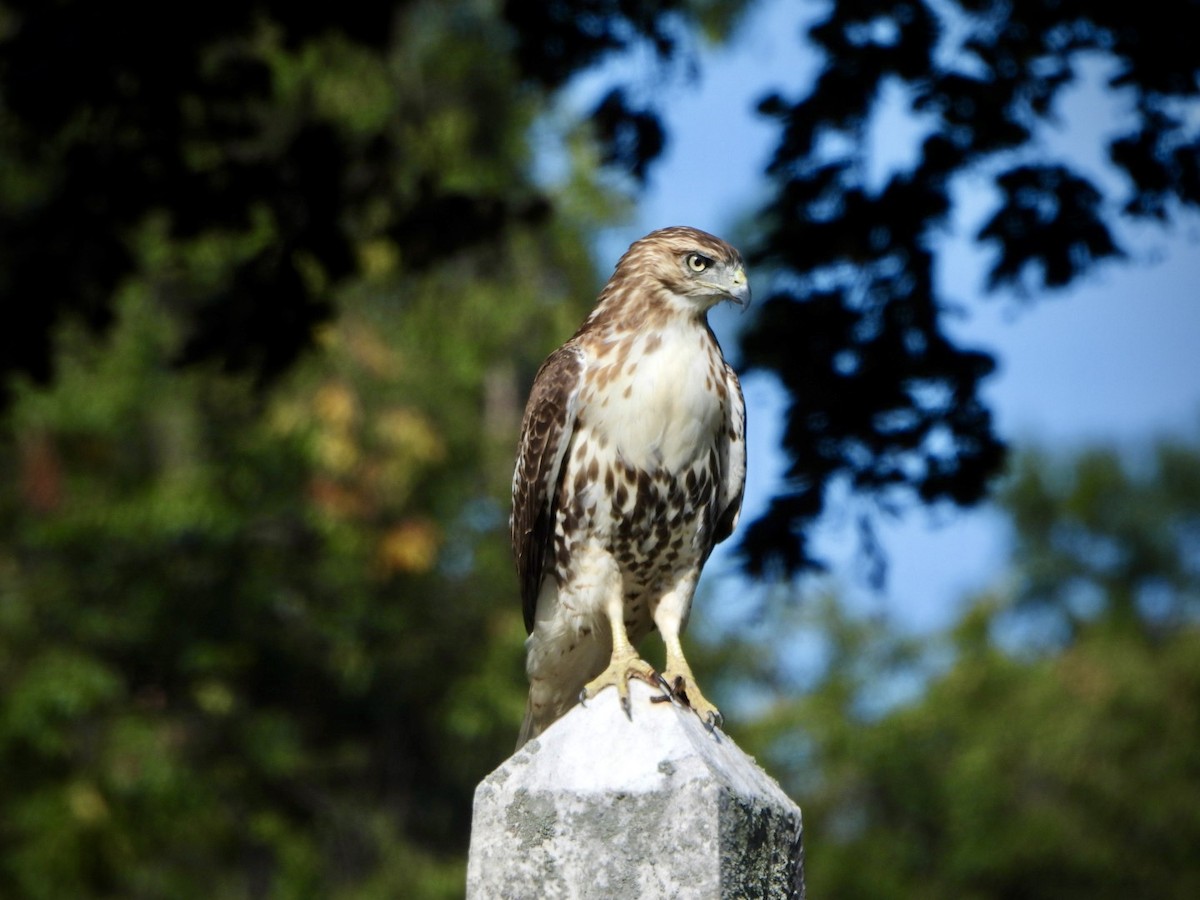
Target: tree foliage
point(304, 133)
point(1102, 543)
point(264, 642)
point(253, 646)
point(222, 125)
point(880, 396)
point(1034, 760)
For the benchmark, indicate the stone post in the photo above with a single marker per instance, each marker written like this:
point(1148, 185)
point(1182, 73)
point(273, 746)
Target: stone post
point(604, 806)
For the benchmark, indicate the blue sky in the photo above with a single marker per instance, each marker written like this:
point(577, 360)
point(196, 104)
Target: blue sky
point(1114, 359)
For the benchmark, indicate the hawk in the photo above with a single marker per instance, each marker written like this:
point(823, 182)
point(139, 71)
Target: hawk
point(631, 467)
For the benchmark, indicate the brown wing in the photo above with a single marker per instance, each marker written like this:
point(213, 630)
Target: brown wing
point(545, 435)
point(732, 450)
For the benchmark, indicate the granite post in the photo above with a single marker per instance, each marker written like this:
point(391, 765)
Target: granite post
point(605, 806)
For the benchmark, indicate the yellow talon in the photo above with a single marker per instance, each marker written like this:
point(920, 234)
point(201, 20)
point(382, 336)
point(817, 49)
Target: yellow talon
point(620, 669)
point(683, 688)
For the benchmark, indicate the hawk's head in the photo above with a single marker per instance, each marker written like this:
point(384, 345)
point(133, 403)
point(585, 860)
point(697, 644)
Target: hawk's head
point(695, 269)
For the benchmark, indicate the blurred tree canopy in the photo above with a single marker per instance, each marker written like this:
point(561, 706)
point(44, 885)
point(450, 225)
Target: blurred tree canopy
point(304, 134)
point(881, 398)
point(274, 276)
point(234, 120)
point(1008, 759)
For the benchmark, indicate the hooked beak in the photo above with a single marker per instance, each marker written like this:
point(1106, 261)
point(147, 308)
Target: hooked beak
point(738, 288)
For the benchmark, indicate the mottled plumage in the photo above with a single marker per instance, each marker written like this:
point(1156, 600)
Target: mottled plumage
point(631, 467)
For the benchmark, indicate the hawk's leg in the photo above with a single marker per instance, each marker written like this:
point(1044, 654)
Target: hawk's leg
point(671, 617)
point(624, 664)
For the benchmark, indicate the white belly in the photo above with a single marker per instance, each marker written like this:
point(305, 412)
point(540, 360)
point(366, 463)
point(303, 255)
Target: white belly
point(667, 410)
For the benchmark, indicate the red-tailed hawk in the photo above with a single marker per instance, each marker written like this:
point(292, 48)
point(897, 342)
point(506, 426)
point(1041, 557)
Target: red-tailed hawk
point(631, 467)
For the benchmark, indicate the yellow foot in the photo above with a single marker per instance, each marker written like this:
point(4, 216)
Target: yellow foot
point(618, 673)
point(683, 688)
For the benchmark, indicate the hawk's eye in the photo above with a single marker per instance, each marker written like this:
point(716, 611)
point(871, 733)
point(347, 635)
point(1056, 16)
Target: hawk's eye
point(698, 263)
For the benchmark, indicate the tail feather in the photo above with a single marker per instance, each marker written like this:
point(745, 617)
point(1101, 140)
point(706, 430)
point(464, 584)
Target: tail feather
point(558, 671)
point(540, 716)
point(529, 729)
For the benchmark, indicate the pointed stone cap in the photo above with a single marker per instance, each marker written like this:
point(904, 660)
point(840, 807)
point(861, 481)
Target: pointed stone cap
point(604, 806)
